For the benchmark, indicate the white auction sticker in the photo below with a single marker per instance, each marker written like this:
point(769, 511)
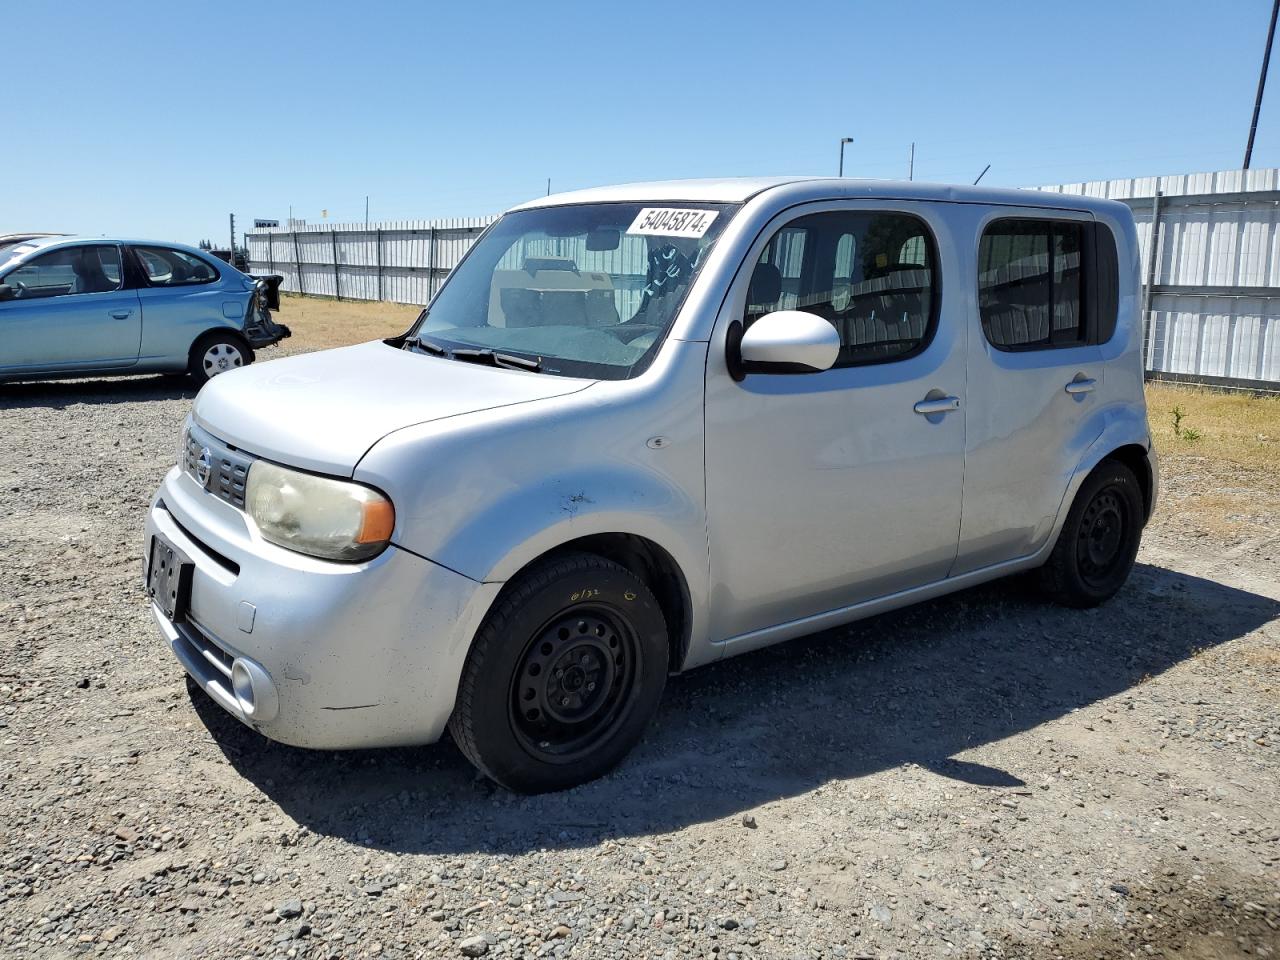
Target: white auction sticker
point(672, 222)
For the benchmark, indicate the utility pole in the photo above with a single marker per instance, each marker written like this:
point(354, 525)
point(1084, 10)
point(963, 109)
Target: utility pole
point(366, 209)
point(982, 174)
point(1262, 82)
point(911, 163)
point(233, 238)
point(843, 141)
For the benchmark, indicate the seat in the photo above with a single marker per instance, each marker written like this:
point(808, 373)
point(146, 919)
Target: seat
point(765, 289)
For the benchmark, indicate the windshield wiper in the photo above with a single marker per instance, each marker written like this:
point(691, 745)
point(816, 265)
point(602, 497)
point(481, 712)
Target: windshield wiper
point(426, 346)
point(497, 359)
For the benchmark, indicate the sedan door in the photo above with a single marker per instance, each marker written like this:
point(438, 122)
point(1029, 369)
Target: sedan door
point(828, 489)
point(70, 309)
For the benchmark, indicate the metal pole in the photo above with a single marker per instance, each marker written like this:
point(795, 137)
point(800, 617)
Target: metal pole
point(548, 186)
point(271, 251)
point(233, 239)
point(431, 264)
point(911, 163)
point(379, 256)
point(366, 209)
point(337, 284)
point(297, 261)
point(843, 141)
point(982, 174)
point(1262, 82)
point(1148, 298)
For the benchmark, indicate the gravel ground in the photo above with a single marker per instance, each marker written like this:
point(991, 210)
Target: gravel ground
point(979, 776)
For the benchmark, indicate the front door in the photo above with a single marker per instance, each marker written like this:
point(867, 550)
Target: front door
point(69, 309)
point(828, 489)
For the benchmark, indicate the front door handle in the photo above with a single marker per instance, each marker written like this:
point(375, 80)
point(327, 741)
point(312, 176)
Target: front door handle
point(940, 405)
point(122, 314)
point(1081, 385)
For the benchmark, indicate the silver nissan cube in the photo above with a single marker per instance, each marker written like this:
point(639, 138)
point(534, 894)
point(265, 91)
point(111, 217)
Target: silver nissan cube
point(643, 428)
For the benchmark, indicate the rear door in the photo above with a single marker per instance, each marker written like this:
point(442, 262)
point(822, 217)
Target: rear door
point(71, 309)
point(1034, 373)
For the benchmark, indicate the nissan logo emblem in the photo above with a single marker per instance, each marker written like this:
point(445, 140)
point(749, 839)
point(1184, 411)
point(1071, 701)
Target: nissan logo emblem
point(204, 467)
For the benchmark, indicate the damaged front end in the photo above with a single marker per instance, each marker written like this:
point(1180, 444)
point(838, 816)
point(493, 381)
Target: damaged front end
point(259, 327)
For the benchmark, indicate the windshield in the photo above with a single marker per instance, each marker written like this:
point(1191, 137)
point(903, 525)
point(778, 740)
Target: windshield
point(585, 291)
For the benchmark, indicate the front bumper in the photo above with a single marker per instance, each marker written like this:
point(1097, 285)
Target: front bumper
point(339, 655)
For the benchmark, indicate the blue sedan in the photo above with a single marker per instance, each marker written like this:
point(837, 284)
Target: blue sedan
point(74, 306)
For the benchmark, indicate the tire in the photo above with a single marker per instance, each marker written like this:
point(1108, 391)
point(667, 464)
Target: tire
point(1099, 541)
point(564, 675)
point(217, 352)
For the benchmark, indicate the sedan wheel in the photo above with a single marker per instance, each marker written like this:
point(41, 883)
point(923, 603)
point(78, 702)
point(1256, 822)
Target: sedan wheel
point(220, 358)
point(216, 353)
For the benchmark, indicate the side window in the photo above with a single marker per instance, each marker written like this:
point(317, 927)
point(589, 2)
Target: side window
point(166, 267)
point(67, 271)
point(1033, 291)
point(873, 275)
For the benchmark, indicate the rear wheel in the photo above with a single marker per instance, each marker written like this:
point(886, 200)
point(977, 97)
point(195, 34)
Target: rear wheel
point(216, 353)
point(565, 673)
point(1099, 541)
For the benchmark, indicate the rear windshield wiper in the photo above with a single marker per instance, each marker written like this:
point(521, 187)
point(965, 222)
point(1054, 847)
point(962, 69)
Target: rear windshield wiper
point(497, 359)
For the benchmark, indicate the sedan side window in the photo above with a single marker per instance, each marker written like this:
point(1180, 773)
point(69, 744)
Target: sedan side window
point(67, 271)
point(166, 267)
point(872, 274)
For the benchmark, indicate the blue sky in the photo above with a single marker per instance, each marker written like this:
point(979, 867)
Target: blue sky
point(157, 119)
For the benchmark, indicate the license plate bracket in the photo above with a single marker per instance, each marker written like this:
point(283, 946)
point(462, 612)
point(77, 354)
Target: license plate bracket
point(169, 578)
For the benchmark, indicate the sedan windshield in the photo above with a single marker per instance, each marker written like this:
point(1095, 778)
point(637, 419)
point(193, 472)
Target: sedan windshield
point(588, 290)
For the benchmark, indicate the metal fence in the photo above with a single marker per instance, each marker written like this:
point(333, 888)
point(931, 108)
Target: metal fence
point(403, 261)
point(1210, 272)
point(1211, 278)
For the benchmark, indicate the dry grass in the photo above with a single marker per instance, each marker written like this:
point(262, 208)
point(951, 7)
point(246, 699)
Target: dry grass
point(318, 324)
point(1238, 427)
point(1221, 475)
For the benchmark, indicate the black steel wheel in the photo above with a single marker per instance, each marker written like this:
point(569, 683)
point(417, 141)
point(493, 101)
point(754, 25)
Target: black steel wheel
point(563, 676)
point(575, 683)
point(1099, 540)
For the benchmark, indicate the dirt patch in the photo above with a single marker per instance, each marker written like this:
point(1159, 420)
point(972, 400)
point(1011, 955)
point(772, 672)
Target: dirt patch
point(1178, 916)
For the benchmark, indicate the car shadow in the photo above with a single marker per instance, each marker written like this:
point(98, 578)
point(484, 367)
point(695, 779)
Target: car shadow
point(917, 686)
point(60, 394)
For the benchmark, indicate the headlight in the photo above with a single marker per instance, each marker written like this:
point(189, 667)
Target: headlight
point(333, 519)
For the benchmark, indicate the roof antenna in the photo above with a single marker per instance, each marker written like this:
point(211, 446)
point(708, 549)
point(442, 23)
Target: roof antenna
point(982, 174)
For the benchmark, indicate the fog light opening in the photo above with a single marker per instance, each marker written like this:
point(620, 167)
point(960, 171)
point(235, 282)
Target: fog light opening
point(242, 687)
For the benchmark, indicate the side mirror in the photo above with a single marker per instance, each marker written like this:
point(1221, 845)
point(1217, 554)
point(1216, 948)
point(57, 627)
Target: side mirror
point(7, 292)
point(785, 341)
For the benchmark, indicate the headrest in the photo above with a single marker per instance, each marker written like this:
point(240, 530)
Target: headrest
point(766, 285)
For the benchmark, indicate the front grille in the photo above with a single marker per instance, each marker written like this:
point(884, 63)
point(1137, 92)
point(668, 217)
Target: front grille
point(218, 467)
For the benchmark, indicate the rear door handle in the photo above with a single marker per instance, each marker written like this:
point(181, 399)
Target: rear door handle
point(1081, 385)
point(941, 405)
point(122, 314)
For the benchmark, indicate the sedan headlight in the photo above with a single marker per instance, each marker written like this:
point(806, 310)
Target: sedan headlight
point(320, 516)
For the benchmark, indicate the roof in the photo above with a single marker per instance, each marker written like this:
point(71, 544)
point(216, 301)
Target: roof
point(741, 189)
point(30, 247)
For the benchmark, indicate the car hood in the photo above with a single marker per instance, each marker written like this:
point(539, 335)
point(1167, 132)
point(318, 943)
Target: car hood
point(323, 411)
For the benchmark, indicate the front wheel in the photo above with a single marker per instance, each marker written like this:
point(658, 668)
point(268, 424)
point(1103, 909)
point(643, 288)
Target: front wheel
point(564, 674)
point(1099, 541)
point(216, 353)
